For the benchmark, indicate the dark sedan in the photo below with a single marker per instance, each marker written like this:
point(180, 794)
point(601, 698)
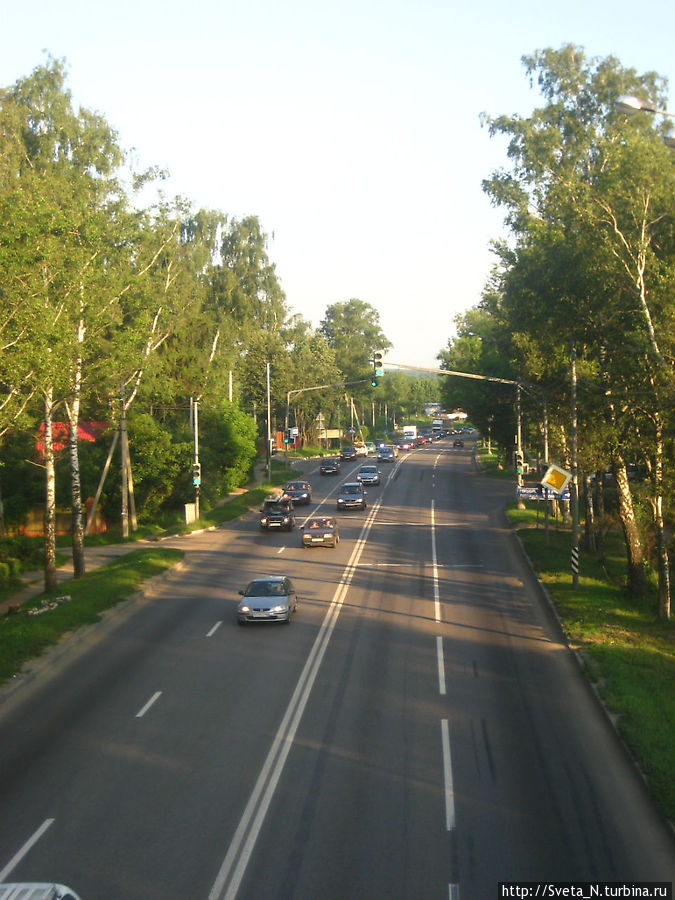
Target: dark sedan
point(329, 466)
point(320, 531)
point(300, 492)
point(348, 453)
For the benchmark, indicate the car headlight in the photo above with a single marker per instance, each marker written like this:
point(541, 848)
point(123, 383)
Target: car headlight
point(245, 609)
point(263, 521)
point(285, 518)
point(281, 607)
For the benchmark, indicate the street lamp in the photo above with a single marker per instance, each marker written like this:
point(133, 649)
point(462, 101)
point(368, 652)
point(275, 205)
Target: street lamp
point(629, 104)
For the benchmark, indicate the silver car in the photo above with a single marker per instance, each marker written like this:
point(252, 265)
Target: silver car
point(368, 474)
point(270, 598)
point(351, 496)
point(36, 891)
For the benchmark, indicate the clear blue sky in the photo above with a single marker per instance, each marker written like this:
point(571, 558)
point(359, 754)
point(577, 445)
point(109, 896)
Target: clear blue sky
point(350, 129)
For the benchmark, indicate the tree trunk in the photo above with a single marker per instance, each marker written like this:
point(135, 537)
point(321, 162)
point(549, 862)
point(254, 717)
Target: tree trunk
point(590, 526)
point(636, 578)
point(661, 543)
point(600, 518)
point(50, 497)
point(75, 482)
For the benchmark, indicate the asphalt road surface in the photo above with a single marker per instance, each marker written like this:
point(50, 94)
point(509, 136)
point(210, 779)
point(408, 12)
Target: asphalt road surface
point(419, 731)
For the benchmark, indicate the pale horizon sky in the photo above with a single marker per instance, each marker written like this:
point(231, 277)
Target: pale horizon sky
point(352, 131)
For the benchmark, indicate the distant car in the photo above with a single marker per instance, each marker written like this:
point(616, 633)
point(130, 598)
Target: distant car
point(329, 466)
point(371, 448)
point(351, 496)
point(368, 474)
point(458, 442)
point(405, 444)
point(320, 531)
point(270, 598)
point(300, 492)
point(361, 449)
point(276, 513)
point(348, 453)
point(386, 454)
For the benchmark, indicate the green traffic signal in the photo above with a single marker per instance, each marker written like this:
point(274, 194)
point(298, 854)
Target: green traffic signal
point(378, 368)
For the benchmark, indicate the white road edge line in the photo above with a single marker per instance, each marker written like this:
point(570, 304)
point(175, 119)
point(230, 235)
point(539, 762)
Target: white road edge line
point(239, 852)
point(447, 773)
point(155, 697)
point(214, 629)
point(16, 859)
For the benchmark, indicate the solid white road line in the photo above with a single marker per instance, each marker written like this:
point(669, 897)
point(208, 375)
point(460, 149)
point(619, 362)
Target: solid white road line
point(434, 565)
point(447, 773)
point(234, 865)
point(155, 697)
point(214, 629)
point(24, 850)
point(441, 665)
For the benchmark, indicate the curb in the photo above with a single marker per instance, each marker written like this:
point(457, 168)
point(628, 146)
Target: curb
point(580, 660)
point(70, 640)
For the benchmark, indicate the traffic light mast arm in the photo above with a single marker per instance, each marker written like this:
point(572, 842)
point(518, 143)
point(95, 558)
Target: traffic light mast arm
point(458, 374)
point(316, 387)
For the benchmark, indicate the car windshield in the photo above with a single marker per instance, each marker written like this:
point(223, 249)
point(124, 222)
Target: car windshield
point(351, 489)
point(264, 589)
point(320, 523)
point(297, 486)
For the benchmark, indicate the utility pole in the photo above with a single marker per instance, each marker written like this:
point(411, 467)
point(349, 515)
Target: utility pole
point(124, 466)
point(269, 428)
point(574, 483)
point(196, 466)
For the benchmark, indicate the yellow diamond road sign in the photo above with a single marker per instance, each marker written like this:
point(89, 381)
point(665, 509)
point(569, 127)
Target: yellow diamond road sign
point(556, 479)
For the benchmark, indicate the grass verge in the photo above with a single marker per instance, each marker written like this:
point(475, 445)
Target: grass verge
point(628, 653)
point(24, 637)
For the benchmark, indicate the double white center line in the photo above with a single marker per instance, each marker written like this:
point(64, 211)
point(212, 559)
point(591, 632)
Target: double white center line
point(234, 865)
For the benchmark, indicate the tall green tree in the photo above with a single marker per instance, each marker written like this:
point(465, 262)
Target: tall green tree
point(589, 193)
point(352, 329)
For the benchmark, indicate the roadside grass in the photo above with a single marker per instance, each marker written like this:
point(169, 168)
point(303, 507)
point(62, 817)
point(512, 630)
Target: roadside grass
point(627, 652)
point(24, 637)
point(491, 463)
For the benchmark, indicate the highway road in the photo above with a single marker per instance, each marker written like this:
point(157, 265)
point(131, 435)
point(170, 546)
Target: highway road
point(419, 731)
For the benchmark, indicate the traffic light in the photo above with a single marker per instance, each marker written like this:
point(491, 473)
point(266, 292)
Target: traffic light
point(378, 367)
point(196, 473)
point(287, 436)
point(519, 463)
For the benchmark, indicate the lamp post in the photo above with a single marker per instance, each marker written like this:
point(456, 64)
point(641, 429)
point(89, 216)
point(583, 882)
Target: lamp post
point(629, 104)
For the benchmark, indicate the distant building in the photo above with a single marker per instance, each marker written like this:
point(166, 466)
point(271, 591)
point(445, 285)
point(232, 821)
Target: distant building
point(432, 409)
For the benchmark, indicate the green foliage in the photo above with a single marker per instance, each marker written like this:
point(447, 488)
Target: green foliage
point(228, 450)
point(161, 466)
